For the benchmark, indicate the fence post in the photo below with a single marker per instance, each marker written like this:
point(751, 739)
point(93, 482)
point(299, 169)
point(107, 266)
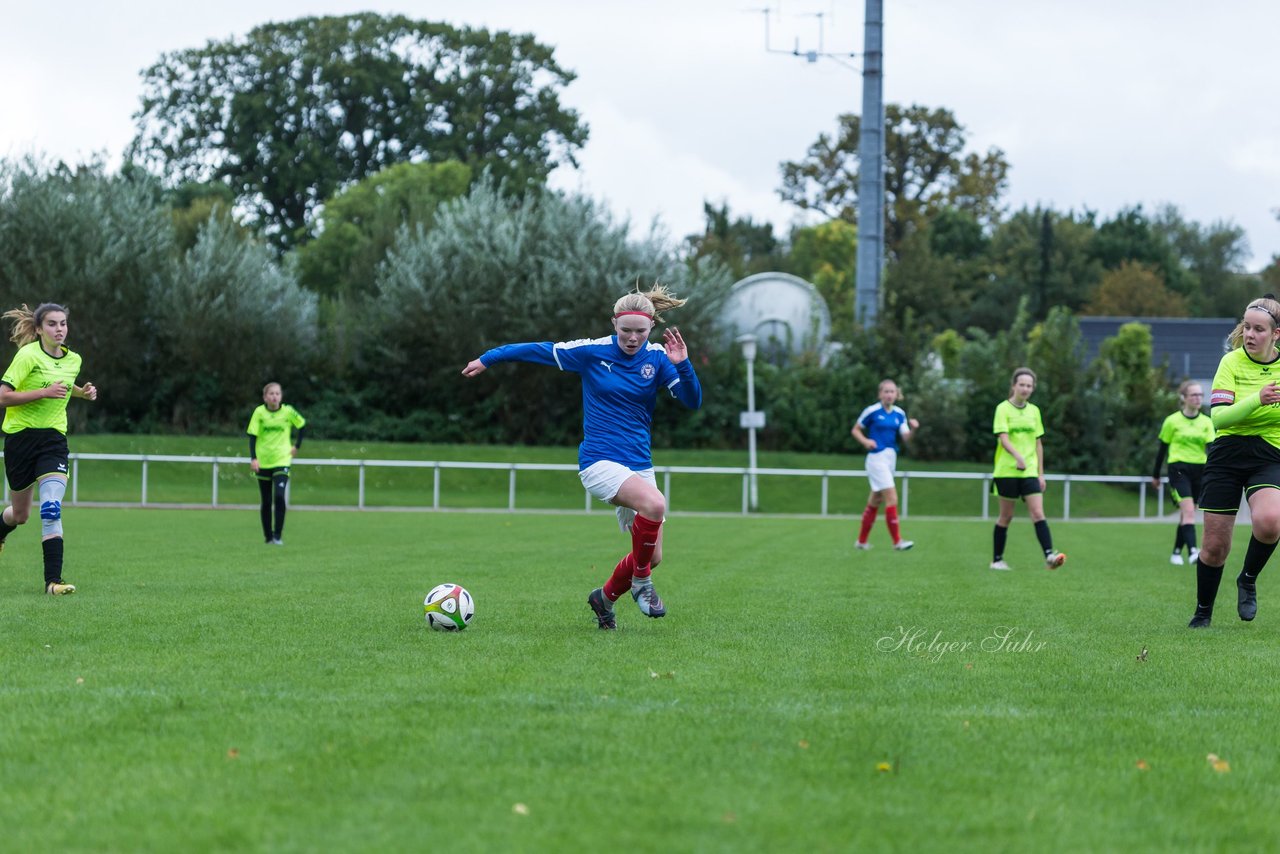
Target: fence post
point(986, 498)
point(75, 482)
point(1142, 500)
point(746, 492)
point(360, 492)
point(144, 481)
point(826, 481)
point(435, 488)
point(214, 503)
point(1066, 498)
point(666, 487)
point(906, 493)
point(511, 488)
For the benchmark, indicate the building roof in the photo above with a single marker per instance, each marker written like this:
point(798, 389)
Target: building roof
point(1191, 346)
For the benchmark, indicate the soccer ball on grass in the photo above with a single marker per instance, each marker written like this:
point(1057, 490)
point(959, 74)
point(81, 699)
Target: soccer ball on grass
point(449, 608)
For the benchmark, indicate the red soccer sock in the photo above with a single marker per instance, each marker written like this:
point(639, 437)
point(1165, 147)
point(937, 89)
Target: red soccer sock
point(644, 540)
point(891, 519)
point(620, 581)
point(868, 519)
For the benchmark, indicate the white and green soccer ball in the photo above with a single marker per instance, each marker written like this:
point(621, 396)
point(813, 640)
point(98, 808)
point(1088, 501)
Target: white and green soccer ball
point(449, 608)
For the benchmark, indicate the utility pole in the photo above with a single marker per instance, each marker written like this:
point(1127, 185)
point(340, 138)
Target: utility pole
point(871, 169)
point(866, 306)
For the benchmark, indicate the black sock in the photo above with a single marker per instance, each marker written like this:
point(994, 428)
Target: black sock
point(52, 560)
point(1207, 580)
point(264, 489)
point(999, 537)
point(1179, 539)
point(1042, 534)
point(279, 530)
point(1189, 535)
point(5, 528)
point(1256, 558)
point(279, 484)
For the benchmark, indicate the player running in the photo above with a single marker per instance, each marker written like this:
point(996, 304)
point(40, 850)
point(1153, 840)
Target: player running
point(35, 391)
point(621, 376)
point(1245, 457)
point(1184, 435)
point(877, 429)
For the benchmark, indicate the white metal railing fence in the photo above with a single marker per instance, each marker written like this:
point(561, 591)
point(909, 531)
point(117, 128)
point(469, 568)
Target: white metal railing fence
point(824, 477)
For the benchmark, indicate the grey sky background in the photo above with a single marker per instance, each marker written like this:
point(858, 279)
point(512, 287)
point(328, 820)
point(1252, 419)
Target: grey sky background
point(1096, 103)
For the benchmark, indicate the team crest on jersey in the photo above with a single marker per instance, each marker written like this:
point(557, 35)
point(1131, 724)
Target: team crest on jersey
point(648, 371)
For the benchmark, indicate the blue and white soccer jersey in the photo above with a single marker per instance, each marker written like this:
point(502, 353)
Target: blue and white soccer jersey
point(883, 427)
point(619, 393)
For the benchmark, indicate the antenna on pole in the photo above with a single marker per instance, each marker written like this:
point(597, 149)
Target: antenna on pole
point(870, 149)
point(810, 56)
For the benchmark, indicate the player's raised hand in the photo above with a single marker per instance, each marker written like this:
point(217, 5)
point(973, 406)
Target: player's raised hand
point(473, 368)
point(677, 352)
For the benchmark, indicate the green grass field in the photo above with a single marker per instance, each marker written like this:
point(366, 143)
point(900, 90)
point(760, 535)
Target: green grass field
point(206, 692)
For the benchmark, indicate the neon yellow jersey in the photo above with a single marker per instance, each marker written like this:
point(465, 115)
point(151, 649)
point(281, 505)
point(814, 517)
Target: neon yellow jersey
point(275, 437)
point(32, 368)
point(1187, 437)
point(1239, 376)
point(1024, 427)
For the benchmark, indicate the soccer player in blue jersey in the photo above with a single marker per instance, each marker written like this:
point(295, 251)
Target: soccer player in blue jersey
point(1184, 435)
point(34, 392)
point(877, 429)
point(1243, 459)
point(621, 375)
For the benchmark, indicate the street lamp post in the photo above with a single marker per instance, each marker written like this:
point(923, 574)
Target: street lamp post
point(751, 420)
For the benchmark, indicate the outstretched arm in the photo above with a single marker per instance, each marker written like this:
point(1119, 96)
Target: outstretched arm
point(539, 353)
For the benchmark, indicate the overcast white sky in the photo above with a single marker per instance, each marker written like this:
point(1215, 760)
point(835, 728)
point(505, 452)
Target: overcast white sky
point(1096, 103)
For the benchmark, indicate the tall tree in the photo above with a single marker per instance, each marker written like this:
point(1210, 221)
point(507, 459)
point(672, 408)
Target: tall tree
point(1214, 257)
point(1132, 236)
point(827, 255)
point(1044, 255)
point(359, 224)
point(1135, 290)
point(741, 244)
point(926, 170)
point(296, 110)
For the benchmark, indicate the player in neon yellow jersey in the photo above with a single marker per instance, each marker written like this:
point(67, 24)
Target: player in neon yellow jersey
point(1019, 468)
point(272, 447)
point(1184, 435)
point(1244, 458)
point(34, 391)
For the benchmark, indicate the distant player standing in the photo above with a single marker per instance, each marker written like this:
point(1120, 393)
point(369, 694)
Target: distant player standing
point(1019, 468)
point(34, 391)
point(272, 447)
point(1184, 435)
point(1244, 458)
point(877, 429)
point(621, 376)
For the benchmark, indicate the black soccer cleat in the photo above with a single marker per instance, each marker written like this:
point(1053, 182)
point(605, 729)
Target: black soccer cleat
point(1246, 598)
point(603, 609)
point(1201, 618)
